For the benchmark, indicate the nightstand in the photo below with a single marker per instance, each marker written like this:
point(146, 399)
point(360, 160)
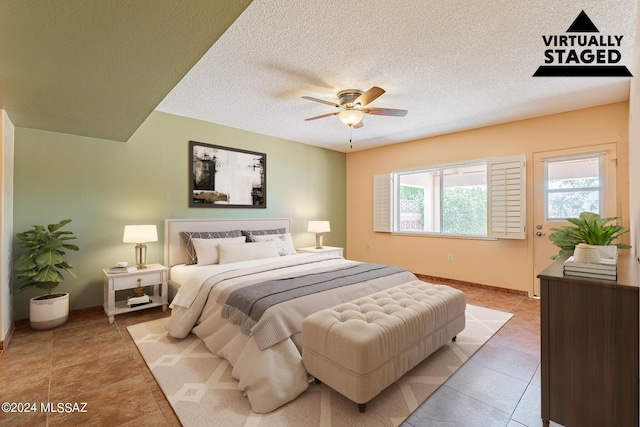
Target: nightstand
point(329, 250)
point(154, 275)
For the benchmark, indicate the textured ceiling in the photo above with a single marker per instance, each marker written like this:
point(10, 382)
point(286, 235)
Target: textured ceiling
point(98, 68)
point(454, 65)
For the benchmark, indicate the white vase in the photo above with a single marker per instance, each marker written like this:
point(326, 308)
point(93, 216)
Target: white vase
point(48, 313)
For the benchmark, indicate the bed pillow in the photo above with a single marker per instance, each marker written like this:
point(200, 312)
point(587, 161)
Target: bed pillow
point(192, 257)
point(207, 249)
point(248, 233)
point(258, 250)
point(283, 242)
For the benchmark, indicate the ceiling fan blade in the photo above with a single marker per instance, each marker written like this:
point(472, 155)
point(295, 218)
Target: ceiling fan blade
point(369, 96)
point(358, 125)
point(322, 116)
point(385, 112)
point(322, 101)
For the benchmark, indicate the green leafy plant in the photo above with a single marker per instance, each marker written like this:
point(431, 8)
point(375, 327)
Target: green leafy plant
point(589, 228)
point(43, 264)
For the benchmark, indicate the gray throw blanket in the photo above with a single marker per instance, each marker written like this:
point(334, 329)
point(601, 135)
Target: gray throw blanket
point(245, 306)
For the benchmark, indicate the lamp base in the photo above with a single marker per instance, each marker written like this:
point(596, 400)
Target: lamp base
point(141, 256)
point(319, 241)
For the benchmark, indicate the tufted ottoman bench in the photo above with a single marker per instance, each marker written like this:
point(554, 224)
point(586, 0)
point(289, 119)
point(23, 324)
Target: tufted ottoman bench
point(361, 347)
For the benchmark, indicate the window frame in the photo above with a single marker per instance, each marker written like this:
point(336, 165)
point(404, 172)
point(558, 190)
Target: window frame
point(440, 168)
point(506, 216)
point(601, 182)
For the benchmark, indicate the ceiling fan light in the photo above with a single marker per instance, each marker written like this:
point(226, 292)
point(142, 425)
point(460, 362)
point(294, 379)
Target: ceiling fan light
point(350, 117)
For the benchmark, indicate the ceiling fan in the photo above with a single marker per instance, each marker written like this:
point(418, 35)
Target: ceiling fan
point(352, 103)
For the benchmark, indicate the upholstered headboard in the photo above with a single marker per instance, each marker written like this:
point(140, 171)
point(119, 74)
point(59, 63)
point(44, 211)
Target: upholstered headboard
point(175, 250)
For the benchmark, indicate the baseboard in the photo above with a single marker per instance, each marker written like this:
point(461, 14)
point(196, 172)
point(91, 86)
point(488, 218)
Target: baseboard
point(4, 344)
point(78, 312)
point(425, 277)
point(87, 310)
point(444, 280)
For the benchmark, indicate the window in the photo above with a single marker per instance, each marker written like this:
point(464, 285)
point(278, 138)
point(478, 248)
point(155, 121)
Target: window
point(482, 198)
point(573, 185)
point(446, 200)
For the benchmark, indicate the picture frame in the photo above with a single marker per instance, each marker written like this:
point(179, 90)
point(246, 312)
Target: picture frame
point(225, 177)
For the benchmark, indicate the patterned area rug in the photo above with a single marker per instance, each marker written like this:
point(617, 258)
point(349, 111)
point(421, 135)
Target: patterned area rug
point(202, 391)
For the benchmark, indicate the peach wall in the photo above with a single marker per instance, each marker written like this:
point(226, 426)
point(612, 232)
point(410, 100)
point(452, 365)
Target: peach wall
point(501, 263)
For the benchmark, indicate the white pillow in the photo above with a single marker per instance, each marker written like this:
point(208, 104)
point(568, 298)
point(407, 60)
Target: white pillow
point(207, 249)
point(250, 251)
point(283, 242)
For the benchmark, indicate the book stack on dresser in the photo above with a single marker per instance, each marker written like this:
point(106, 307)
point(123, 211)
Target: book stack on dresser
point(603, 268)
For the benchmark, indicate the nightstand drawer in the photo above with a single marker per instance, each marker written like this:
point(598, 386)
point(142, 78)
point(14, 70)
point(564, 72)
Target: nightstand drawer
point(131, 281)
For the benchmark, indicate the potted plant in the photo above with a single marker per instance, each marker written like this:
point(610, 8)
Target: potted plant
point(589, 228)
point(42, 267)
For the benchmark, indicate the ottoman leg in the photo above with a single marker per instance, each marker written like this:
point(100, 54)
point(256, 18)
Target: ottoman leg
point(362, 407)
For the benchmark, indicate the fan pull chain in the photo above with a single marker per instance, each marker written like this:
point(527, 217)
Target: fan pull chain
point(350, 142)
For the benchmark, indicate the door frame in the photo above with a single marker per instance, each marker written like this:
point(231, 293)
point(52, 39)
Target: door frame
point(540, 248)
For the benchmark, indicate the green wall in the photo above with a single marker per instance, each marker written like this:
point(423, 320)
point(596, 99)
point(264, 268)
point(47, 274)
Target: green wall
point(104, 185)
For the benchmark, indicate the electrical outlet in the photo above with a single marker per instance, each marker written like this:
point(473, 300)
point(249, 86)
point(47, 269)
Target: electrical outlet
point(450, 257)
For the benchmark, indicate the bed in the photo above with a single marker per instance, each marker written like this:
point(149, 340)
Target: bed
point(247, 301)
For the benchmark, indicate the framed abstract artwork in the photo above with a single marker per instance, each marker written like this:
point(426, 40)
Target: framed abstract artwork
point(224, 177)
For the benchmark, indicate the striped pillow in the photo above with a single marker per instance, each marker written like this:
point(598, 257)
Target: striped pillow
point(192, 258)
point(248, 233)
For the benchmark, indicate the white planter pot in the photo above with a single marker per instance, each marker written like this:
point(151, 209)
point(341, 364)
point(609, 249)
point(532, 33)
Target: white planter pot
point(48, 313)
point(584, 253)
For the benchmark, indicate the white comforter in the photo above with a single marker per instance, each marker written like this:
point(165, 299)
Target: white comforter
point(273, 376)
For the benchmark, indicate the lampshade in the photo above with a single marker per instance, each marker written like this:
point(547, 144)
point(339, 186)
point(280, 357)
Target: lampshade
point(140, 234)
point(319, 227)
point(350, 117)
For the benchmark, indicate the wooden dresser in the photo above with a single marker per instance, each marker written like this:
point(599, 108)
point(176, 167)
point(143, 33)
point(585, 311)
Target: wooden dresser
point(589, 360)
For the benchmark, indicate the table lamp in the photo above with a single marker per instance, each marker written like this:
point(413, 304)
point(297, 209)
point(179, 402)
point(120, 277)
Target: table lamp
point(319, 227)
point(140, 234)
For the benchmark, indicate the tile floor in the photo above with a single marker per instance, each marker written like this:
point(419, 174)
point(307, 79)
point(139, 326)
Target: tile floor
point(89, 360)
point(85, 360)
point(500, 384)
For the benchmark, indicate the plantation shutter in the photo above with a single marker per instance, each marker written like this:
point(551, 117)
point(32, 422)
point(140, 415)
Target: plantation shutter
point(383, 203)
point(507, 197)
